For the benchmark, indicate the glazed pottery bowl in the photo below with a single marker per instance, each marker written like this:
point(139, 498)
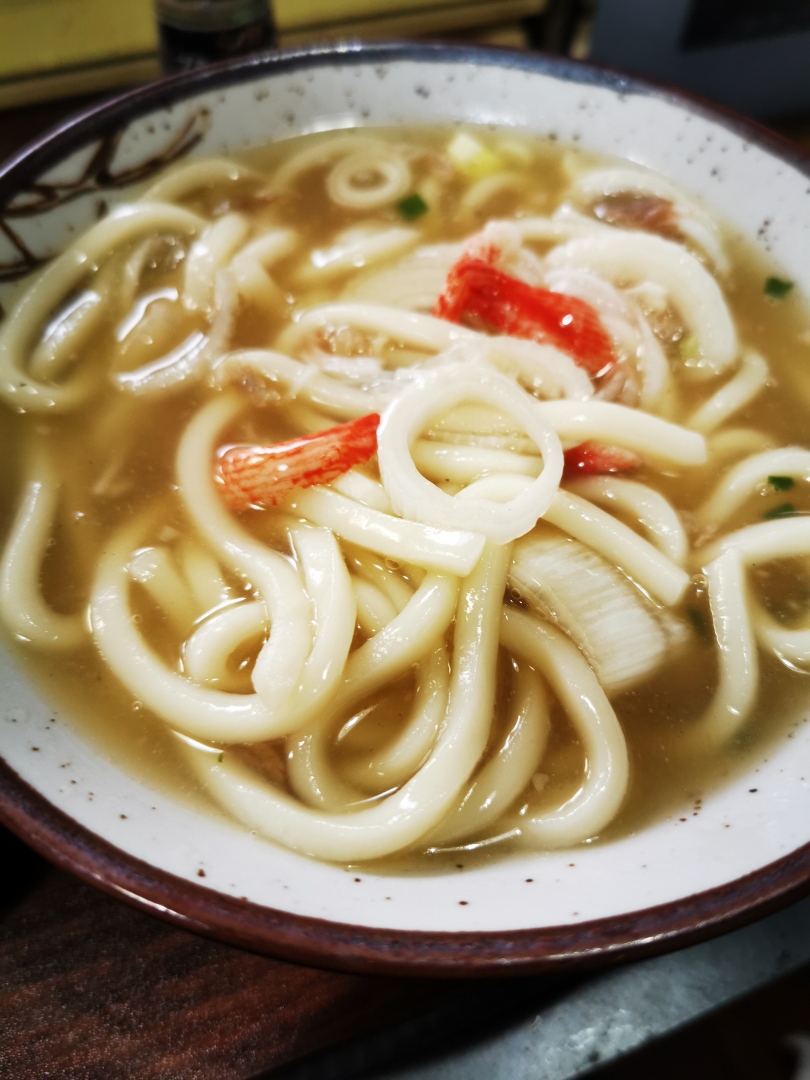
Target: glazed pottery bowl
point(682, 878)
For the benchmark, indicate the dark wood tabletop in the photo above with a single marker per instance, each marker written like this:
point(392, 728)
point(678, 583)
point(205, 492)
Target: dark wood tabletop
point(91, 989)
point(94, 989)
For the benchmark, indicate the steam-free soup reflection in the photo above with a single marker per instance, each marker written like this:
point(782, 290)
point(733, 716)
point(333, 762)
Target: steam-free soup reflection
point(408, 491)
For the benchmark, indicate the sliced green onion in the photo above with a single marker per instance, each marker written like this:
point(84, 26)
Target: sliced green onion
point(412, 206)
point(472, 158)
point(781, 483)
point(783, 510)
point(221, 756)
point(777, 288)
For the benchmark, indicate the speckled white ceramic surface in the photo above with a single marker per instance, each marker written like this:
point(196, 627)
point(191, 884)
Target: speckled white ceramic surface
point(741, 827)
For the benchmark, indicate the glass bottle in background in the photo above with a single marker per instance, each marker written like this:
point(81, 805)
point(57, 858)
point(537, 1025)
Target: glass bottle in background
point(197, 32)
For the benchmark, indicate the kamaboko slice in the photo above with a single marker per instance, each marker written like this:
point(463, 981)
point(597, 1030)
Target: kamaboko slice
point(616, 627)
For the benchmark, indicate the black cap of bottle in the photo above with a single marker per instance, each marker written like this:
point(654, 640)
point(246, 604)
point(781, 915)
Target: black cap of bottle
point(197, 32)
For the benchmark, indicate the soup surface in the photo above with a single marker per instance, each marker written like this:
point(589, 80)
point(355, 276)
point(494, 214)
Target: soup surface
point(407, 491)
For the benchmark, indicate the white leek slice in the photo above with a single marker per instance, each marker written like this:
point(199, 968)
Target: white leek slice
point(594, 603)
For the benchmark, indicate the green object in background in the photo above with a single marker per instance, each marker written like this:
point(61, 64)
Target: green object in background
point(781, 483)
point(777, 288)
point(412, 207)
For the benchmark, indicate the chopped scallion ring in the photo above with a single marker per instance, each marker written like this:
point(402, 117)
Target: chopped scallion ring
point(777, 288)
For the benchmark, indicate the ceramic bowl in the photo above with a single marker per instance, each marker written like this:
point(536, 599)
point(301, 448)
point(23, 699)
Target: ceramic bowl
point(683, 878)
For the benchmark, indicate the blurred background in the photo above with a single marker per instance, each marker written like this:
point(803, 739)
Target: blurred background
point(749, 54)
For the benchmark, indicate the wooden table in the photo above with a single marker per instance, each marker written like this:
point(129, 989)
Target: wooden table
point(94, 989)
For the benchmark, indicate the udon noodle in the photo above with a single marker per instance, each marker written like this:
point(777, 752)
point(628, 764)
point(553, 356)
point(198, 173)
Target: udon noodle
point(401, 476)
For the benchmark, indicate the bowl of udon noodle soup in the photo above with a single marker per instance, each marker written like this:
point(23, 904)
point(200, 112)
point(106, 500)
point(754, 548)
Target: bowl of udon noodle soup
point(405, 509)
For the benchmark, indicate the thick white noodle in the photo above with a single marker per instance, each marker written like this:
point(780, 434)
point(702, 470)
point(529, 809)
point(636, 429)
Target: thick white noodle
point(280, 664)
point(139, 308)
point(767, 540)
point(560, 227)
point(738, 662)
point(691, 219)
point(450, 551)
point(208, 649)
point(66, 335)
point(323, 153)
point(22, 606)
point(499, 487)
point(362, 245)
point(751, 546)
point(22, 328)
point(473, 420)
point(629, 258)
point(654, 513)
point(599, 798)
point(738, 392)
point(653, 365)
point(404, 754)
point(442, 462)
point(305, 419)
point(545, 370)
point(210, 253)
point(792, 647)
point(502, 779)
point(197, 711)
point(482, 191)
point(192, 358)
point(409, 327)
point(648, 435)
point(334, 615)
point(250, 266)
point(374, 610)
point(152, 249)
point(414, 497)
point(736, 441)
point(642, 562)
point(398, 590)
point(388, 171)
point(411, 638)
point(180, 365)
point(748, 477)
point(356, 485)
point(188, 179)
point(204, 577)
point(156, 570)
point(402, 818)
point(405, 641)
point(292, 379)
point(515, 443)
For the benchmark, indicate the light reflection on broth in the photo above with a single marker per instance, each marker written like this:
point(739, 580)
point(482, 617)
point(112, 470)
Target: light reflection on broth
point(277, 245)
